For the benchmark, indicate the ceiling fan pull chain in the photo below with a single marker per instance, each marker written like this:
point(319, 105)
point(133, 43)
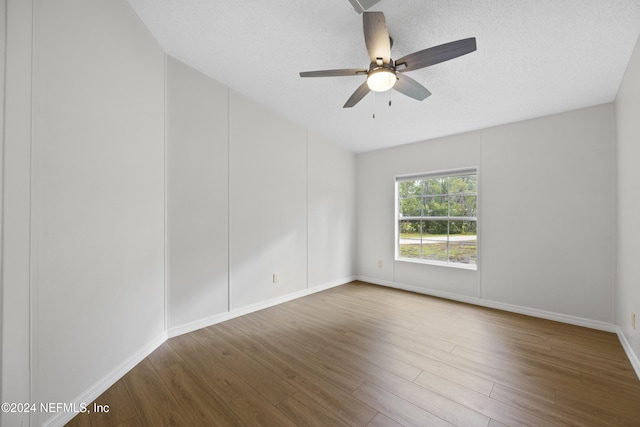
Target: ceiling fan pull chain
point(375, 104)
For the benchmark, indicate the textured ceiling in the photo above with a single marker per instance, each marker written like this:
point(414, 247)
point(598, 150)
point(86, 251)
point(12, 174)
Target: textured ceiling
point(534, 58)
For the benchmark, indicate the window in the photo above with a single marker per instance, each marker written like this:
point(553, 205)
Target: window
point(437, 218)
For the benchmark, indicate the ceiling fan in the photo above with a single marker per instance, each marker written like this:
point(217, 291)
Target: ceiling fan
point(384, 73)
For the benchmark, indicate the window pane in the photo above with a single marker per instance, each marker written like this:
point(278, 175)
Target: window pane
point(435, 229)
point(436, 186)
point(410, 229)
point(463, 184)
point(463, 205)
point(434, 240)
point(463, 242)
point(436, 206)
point(410, 207)
point(409, 188)
point(410, 239)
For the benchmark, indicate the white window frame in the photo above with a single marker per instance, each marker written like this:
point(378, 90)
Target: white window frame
point(430, 175)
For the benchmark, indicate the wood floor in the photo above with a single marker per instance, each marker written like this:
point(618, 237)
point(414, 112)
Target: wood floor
point(364, 355)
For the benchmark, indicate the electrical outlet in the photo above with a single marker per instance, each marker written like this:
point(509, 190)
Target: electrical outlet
point(275, 277)
point(379, 263)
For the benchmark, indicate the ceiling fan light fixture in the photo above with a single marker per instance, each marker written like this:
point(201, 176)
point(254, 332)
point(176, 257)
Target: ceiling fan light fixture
point(381, 79)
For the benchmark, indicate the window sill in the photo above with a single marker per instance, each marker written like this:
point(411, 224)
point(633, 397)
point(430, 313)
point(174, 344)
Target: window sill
point(457, 265)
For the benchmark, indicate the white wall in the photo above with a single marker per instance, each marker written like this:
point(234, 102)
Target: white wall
point(331, 213)
point(547, 200)
point(83, 211)
point(3, 45)
point(375, 227)
point(15, 209)
point(550, 178)
point(268, 204)
point(97, 213)
point(197, 195)
point(250, 195)
point(628, 195)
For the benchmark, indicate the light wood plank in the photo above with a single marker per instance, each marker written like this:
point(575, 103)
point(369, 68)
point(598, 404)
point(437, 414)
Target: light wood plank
point(382, 420)
point(199, 401)
point(397, 408)
point(272, 387)
point(294, 355)
point(221, 379)
point(255, 410)
point(560, 414)
point(121, 409)
point(155, 403)
point(343, 405)
point(433, 402)
point(306, 412)
point(165, 356)
point(507, 414)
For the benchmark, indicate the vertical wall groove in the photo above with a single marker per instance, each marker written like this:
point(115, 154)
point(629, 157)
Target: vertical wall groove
point(33, 287)
point(3, 87)
point(17, 351)
point(167, 302)
point(228, 199)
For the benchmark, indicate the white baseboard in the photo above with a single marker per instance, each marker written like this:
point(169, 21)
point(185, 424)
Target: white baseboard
point(217, 318)
point(633, 357)
point(534, 312)
point(61, 418)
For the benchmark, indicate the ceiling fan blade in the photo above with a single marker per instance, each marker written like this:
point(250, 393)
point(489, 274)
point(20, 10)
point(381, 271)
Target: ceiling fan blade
point(376, 36)
point(333, 73)
point(435, 55)
point(360, 93)
point(360, 6)
point(407, 86)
